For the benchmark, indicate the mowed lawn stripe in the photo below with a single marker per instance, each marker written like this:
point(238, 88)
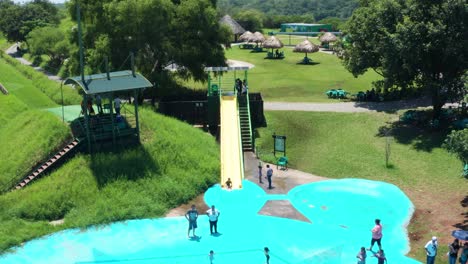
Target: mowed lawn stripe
point(22, 87)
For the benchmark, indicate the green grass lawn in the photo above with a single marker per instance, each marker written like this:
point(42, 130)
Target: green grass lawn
point(173, 165)
point(285, 80)
point(342, 145)
point(22, 87)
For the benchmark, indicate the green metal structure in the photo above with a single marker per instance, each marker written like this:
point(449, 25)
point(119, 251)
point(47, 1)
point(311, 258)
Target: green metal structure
point(222, 80)
point(303, 27)
point(95, 127)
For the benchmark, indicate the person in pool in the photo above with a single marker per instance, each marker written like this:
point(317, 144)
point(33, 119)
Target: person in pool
point(380, 255)
point(361, 256)
point(192, 216)
point(267, 254)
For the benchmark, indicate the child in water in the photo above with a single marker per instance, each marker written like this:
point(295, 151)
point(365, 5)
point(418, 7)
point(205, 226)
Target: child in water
point(267, 255)
point(211, 256)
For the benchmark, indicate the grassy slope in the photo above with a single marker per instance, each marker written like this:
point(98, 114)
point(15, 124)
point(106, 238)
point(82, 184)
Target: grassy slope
point(22, 87)
point(285, 80)
point(174, 164)
point(10, 106)
point(38, 133)
point(338, 145)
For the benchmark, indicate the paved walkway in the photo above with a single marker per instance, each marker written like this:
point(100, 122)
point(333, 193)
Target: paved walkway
point(351, 107)
point(12, 51)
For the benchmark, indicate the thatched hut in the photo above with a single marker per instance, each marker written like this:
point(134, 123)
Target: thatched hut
point(272, 43)
point(257, 37)
point(246, 36)
point(328, 37)
point(235, 27)
point(306, 47)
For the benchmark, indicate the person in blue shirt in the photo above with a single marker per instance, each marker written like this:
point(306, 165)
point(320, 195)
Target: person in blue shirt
point(192, 216)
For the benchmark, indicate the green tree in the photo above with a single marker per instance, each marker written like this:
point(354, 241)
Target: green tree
point(457, 143)
point(250, 19)
point(16, 21)
point(50, 41)
point(335, 22)
point(159, 32)
point(412, 44)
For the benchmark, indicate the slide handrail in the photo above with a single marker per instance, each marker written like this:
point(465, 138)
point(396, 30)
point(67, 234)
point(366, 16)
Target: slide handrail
point(250, 121)
point(239, 135)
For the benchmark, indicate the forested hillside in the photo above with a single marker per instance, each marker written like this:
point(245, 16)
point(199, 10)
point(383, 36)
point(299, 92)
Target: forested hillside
point(320, 9)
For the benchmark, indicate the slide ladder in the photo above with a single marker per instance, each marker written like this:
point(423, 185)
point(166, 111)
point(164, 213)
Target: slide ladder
point(43, 168)
point(245, 123)
point(232, 160)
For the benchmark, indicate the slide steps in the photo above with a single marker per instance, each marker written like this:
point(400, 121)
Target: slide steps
point(39, 171)
point(245, 129)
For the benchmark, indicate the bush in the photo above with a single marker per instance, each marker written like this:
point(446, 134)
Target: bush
point(457, 143)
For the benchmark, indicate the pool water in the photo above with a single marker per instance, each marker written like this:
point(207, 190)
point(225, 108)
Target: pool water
point(341, 214)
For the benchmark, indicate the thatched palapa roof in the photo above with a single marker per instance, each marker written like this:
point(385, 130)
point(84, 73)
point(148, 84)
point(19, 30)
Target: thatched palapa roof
point(246, 36)
point(232, 24)
point(306, 46)
point(328, 37)
point(272, 43)
point(257, 37)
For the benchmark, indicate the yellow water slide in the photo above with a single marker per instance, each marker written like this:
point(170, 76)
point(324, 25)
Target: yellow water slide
point(232, 164)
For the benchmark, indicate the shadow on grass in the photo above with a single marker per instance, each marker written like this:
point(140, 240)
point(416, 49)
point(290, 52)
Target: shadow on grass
point(127, 163)
point(393, 106)
point(312, 63)
point(420, 135)
point(463, 225)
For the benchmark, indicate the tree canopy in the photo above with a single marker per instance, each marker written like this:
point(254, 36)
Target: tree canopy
point(17, 20)
point(158, 32)
point(50, 41)
point(316, 8)
point(411, 43)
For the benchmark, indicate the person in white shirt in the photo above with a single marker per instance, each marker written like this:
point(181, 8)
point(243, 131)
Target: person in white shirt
point(431, 250)
point(117, 103)
point(213, 215)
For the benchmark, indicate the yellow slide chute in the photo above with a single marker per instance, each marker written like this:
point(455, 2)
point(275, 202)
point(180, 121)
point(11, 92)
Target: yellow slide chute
point(232, 164)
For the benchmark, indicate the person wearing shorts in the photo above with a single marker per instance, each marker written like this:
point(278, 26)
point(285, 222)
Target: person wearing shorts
point(376, 234)
point(192, 216)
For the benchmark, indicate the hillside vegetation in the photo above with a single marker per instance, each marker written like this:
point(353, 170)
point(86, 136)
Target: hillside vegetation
point(174, 163)
point(27, 136)
point(318, 8)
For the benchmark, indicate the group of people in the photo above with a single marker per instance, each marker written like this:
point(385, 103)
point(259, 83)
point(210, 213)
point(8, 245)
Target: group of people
point(98, 101)
point(269, 174)
point(376, 238)
point(432, 246)
point(241, 86)
point(192, 216)
point(213, 216)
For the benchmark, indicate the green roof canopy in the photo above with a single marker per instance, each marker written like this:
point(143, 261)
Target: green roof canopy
point(118, 81)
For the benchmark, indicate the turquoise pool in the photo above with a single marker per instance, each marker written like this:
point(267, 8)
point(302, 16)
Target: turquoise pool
point(341, 212)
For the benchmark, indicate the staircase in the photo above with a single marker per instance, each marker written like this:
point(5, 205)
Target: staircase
point(245, 124)
point(39, 171)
